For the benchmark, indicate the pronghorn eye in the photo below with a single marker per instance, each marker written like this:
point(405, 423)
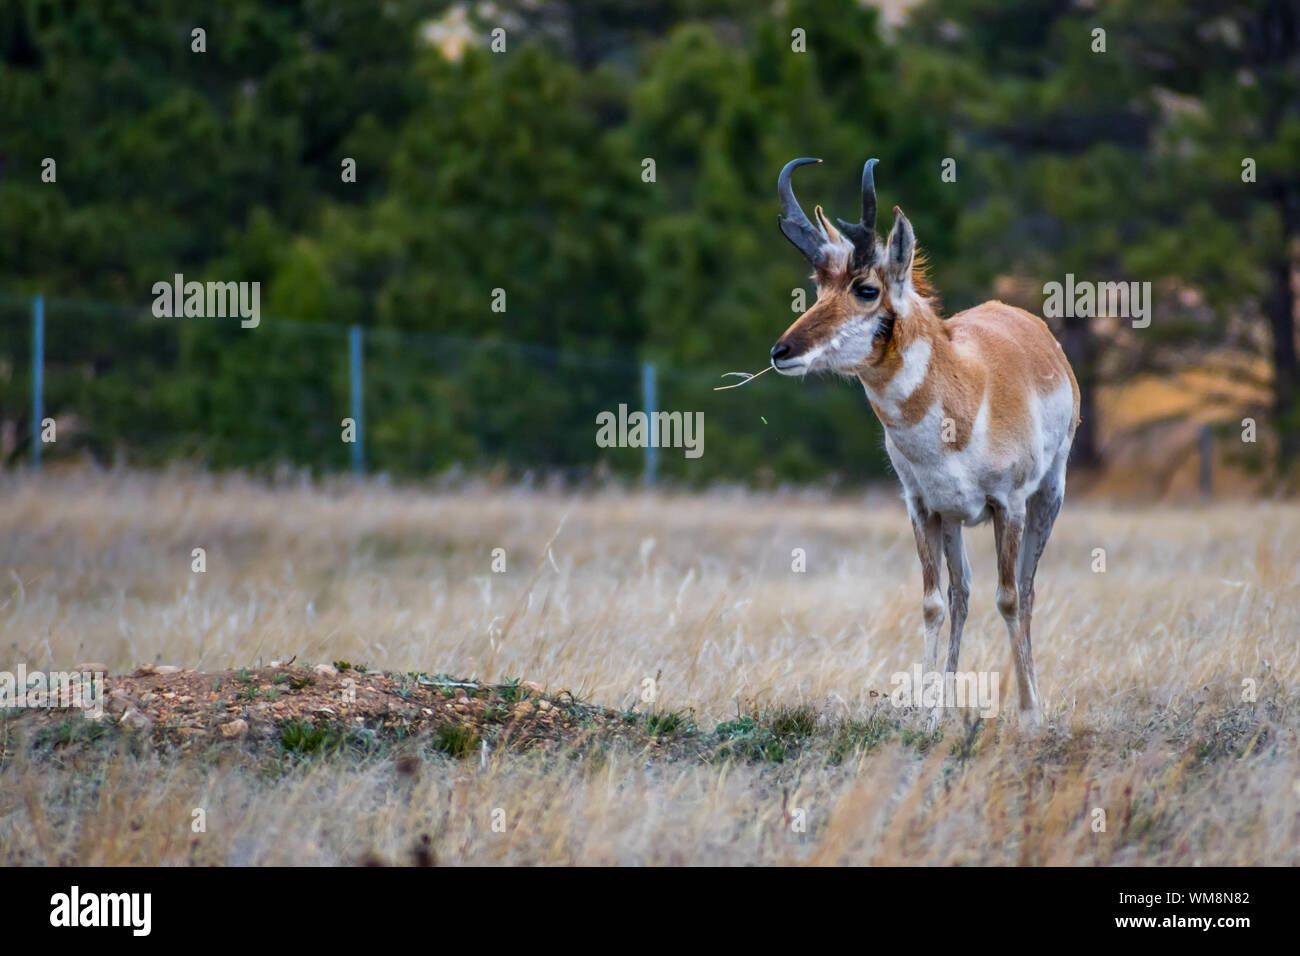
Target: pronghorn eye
point(865, 292)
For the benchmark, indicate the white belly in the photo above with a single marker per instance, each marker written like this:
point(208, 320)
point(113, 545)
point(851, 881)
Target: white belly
point(960, 483)
point(952, 483)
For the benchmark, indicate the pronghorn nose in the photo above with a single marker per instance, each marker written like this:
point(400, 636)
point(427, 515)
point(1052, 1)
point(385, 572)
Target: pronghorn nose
point(780, 350)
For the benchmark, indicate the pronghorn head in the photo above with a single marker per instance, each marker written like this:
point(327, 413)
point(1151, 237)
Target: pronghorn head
point(865, 289)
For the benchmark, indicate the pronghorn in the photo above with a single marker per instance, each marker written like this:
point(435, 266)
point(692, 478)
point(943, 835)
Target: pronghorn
point(979, 410)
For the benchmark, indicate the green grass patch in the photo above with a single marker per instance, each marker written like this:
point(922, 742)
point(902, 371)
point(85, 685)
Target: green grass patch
point(304, 737)
point(456, 741)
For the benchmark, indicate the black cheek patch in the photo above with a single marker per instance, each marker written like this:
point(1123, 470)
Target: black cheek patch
point(886, 329)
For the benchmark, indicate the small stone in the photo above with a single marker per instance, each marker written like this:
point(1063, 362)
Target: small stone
point(119, 702)
point(136, 719)
point(462, 700)
point(236, 728)
point(167, 669)
point(543, 705)
point(326, 670)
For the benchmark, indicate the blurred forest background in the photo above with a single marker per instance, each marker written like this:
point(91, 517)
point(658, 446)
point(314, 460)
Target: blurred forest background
point(522, 170)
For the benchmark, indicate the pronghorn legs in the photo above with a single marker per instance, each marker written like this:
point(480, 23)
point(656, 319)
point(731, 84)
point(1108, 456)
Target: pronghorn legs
point(958, 589)
point(1040, 514)
point(929, 538)
point(958, 600)
point(1008, 535)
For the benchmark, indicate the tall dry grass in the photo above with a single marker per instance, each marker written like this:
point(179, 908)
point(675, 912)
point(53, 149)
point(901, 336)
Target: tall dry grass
point(1141, 669)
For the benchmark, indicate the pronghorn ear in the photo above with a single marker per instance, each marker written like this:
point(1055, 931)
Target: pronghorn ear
point(900, 249)
point(832, 233)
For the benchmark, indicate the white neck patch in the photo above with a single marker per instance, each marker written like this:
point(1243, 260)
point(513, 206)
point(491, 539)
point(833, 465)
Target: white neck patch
point(908, 378)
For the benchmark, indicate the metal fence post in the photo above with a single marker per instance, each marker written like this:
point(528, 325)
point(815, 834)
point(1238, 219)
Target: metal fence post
point(354, 356)
point(38, 376)
point(648, 400)
point(1205, 477)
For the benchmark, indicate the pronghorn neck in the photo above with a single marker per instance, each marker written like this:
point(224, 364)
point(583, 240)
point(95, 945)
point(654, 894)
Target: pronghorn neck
point(899, 384)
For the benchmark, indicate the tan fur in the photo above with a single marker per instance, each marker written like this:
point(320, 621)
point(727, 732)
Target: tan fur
point(992, 349)
point(1017, 354)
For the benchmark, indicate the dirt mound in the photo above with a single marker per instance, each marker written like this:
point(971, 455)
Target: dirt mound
point(304, 706)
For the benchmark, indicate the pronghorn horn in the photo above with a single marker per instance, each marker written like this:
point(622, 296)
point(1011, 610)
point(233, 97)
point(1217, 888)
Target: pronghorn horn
point(863, 233)
point(794, 222)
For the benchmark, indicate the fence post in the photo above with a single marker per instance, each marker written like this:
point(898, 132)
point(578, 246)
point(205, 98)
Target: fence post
point(354, 363)
point(38, 376)
point(648, 400)
point(1206, 479)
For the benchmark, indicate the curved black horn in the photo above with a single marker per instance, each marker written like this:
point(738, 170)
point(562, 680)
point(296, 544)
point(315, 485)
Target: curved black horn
point(794, 223)
point(863, 233)
point(869, 194)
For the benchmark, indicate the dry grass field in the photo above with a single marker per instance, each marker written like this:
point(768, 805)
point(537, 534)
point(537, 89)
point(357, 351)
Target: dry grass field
point(1146, 669)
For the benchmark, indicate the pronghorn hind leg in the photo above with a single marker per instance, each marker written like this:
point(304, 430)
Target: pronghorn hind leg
point(1040, 515)
point(1008, 535)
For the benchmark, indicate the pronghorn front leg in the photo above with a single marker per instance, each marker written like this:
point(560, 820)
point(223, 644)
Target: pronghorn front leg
point(928, 529)
point(1008, 532)
point(954, 554)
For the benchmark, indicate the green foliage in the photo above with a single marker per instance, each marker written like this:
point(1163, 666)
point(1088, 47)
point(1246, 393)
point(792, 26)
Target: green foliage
point(520, 172)
point(524, 172)
point(769, 738)
point(73, 730)
point(304, 737)
point(456, 740)
point(1126, 165)
point(669, 724)
point(790, 731)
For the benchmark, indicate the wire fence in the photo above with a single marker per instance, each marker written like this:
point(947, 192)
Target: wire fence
point(121, 386)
